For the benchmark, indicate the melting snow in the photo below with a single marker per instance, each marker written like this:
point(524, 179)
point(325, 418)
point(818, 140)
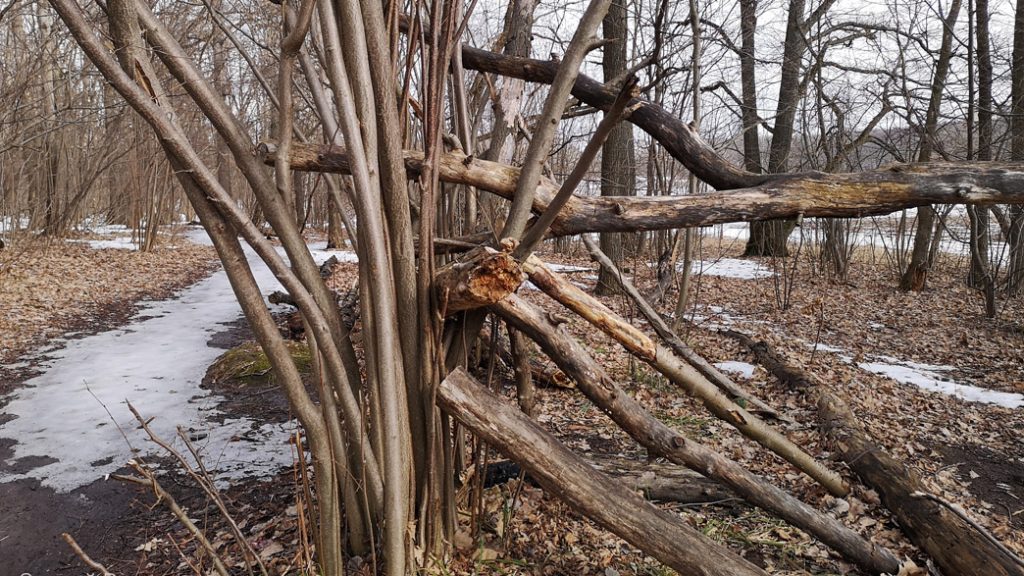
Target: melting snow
point(742, 368)
point(731, 268)
point(156, 362)
point(929, 377)
point(120, 243)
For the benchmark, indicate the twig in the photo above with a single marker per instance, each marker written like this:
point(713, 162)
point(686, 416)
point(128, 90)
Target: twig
point(85, 557)
point(149, 480)
point(203, 480)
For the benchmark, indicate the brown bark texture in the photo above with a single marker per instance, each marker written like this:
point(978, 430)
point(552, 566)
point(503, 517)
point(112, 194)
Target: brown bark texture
point(662, 535)
point(812, 194)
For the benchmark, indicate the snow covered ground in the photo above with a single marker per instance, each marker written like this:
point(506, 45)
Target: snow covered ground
point(73, 418)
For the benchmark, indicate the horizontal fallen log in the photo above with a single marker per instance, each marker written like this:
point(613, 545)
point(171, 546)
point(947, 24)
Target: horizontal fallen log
point(851, 195)
point(661, 440)
point(957, 545)
point(679, 373)
point(565, 475)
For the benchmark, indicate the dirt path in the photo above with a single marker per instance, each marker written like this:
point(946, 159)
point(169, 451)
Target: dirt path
point(65, 425)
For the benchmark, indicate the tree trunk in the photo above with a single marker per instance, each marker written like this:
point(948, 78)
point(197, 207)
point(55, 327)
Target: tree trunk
point(618, 158)
point(1015, 237)
point(771, 238)
point(916, 274)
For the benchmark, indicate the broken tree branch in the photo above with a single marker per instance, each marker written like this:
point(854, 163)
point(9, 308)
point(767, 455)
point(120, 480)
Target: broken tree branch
point(479, 278)
point(679, 373)
point(812, 194)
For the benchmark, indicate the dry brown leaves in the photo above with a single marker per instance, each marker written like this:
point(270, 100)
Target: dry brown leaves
point(50, 288)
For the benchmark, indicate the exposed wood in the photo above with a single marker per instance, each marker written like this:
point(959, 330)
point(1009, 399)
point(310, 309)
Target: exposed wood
point(666, 333)
point(479, 278)
point(660, 440)
point(679, 373)
point(664, 536)
point(957, 545)
point(813, 194)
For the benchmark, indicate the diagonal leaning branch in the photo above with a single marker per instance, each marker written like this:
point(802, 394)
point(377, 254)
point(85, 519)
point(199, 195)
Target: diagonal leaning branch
point(814, 194)
point(660, 440)
point(679, 373)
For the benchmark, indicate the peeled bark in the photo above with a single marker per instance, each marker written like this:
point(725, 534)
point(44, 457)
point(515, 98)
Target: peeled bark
point(812, 194)
point(609, 503)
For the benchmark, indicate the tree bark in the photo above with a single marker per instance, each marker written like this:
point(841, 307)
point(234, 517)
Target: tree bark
point(565, 475)
point(618, 157)
point(660, 440)
point(846, 195)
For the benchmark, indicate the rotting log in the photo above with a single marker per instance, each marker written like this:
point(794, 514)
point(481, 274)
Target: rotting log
point(565, 475)
point(957, 546)
point(813, 194)
point(667, 483)
point(479, 278)
point(679, 373)
point(661, 440)
point(544, 373)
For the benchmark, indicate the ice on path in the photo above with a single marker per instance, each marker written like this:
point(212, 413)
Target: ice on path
point(156, 362)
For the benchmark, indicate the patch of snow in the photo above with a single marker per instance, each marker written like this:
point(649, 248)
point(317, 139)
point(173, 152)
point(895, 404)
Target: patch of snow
point(566, 268)
point(821, 346)
point(156, 362)
point(731, 268)
point(744, 369)
point(929, 377)
point(120, 243)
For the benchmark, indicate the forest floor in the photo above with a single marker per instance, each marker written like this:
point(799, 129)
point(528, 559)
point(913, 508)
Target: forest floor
point(917, 369)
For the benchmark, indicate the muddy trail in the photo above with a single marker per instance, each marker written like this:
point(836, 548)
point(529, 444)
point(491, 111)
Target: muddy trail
point(65, 426)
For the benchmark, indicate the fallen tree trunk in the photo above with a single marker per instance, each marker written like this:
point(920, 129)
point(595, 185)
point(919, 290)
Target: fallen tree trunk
point(814, 194)
point(663, 330)
point(668, 483)
point(660, 440)
point(957, 546)
point(565, 475)
point(679, 373)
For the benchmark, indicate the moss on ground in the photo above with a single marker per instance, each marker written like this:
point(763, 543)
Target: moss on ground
point(248, 364)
